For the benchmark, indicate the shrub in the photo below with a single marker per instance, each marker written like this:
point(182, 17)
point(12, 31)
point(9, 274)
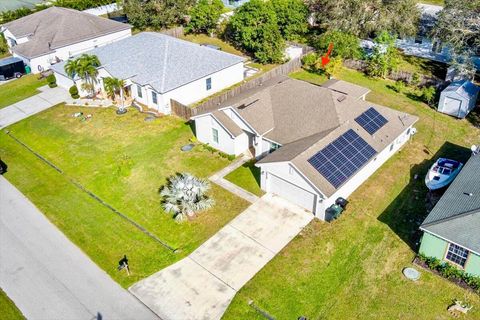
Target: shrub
point(231, 157)
point(309, 61)
point(428, 94)
point(399, 86)
point(345, 45)
point(51, 80)
point(52, 85)
point(74, 92)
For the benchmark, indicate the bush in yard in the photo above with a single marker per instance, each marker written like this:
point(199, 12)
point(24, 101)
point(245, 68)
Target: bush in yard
point(345, 45)
point(292, 17)
point(204, 16)
point(332, 68)
point(309, 61)
point(74, 92)
point(51, 80)
point(399, 86)
point(428, 94)
point(254, 28)
point(184, 195)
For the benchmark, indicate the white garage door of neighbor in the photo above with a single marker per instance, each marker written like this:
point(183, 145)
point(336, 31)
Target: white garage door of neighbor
point(291, 192)
point(452, 106)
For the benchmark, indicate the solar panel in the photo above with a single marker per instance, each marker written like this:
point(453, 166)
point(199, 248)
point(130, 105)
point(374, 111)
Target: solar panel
point(371, 120)
point(339, 160)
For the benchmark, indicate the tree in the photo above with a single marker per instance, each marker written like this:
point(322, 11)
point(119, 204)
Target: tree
point(114, 86)
point(428, 94)
point(184, 195)
point(204, 16)
point(292, 17)
point(458, 24)
point(365, 17)
point(385, 57)
point(3, 44)
point(254, 28)
point(156, 14)
point(345, 45)
point(85, 67)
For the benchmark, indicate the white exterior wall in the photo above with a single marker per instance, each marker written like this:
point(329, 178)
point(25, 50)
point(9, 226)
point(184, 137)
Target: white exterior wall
point(197, 90)
point(241, 144)
point(262, 148)
point(66, 52)
point(360, 177)
point(287, 172)
point(63, 81)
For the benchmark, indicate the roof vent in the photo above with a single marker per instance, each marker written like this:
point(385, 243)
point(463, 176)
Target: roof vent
point(468, 194)
point(341, 98)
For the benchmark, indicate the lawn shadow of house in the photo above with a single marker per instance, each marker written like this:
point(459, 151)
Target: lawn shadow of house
point(410, 208)
point(255, 171)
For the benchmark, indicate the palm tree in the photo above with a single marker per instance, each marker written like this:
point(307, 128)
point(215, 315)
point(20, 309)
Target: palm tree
point(113, 86)
point(184, 195)
point(85, 67)
point(71, 68)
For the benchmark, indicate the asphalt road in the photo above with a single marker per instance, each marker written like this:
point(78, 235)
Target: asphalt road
point(47, 276)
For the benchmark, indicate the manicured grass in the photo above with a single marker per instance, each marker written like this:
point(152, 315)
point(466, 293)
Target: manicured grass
point(351, 268)
point(20, 89)
point(124, 160)
point(8, 309)
point(203, 38)
point(309, 77)
point(247, 177)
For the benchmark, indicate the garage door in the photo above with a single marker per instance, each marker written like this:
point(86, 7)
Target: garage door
point(291, 192)
point(452, 106)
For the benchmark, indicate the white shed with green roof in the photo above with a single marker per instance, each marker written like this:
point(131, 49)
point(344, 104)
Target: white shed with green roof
point(452, 229)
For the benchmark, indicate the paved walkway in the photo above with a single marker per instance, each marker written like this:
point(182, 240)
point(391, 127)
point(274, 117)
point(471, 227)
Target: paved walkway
point(202, 285)
point(47, 98)
point(47, 276)
point(233, 188)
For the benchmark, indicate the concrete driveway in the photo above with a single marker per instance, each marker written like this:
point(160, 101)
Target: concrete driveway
point(202, 285)
point(47, 98)
point(47, 276)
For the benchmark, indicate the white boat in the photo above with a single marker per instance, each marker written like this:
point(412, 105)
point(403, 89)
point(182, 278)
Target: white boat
point(442, 173)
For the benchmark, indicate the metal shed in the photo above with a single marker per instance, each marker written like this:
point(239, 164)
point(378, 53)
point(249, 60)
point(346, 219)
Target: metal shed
point(459, 98)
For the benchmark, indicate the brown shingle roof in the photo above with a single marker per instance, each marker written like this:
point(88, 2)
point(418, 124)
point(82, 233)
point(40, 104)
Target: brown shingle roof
point(347, 88)
point(58, 27)
point(228, 123)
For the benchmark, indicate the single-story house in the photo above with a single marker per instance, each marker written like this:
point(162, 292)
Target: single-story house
point(157, 68)
point(315, 144)
point(422, 45)
point(459, 98)
point(451, 231)
point(49, 36)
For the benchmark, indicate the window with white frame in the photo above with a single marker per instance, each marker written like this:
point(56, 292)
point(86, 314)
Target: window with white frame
point(139, 91)
point(154, 97)
point(215, 135)
point(457, 254)
point(208, 83)
point(273, 146)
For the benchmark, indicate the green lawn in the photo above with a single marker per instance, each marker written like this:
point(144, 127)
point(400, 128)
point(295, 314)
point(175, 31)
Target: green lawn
point(203, 38)
point(422, 66)
point(8, 309)
point(19, 89)
point(247, 177)
point(351, 268)
point(124, 160)
point(435, 2)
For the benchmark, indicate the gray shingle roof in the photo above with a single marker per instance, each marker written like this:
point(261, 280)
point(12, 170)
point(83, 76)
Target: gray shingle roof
point(159, 60)
point(456, 216)
point(58, 27)
point(228, 123)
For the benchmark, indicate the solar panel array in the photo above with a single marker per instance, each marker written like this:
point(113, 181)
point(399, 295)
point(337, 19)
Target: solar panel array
point(371, 120)
point(339, 160)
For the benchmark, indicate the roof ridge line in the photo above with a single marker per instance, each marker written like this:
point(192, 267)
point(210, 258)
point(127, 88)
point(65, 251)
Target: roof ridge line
point(162, 84)
point(459, 215)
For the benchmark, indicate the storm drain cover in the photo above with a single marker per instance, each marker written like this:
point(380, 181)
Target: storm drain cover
point(411, 273)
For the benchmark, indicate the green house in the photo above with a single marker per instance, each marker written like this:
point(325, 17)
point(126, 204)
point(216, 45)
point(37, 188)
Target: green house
point(451, 232)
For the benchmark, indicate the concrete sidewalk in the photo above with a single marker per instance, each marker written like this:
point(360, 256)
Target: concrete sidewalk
point(219, 179)
point(47, 98)
point(202, 285)
point(47, 276)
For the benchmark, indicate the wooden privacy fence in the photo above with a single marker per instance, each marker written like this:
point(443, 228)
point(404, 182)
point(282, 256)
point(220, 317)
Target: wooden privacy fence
point(176, 32)
point(214, 103)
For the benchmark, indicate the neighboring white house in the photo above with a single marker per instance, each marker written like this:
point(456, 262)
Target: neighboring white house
point(55, 34)
point(157, 68)
point(459, 98)
point(315, 143)
point(422, 45)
